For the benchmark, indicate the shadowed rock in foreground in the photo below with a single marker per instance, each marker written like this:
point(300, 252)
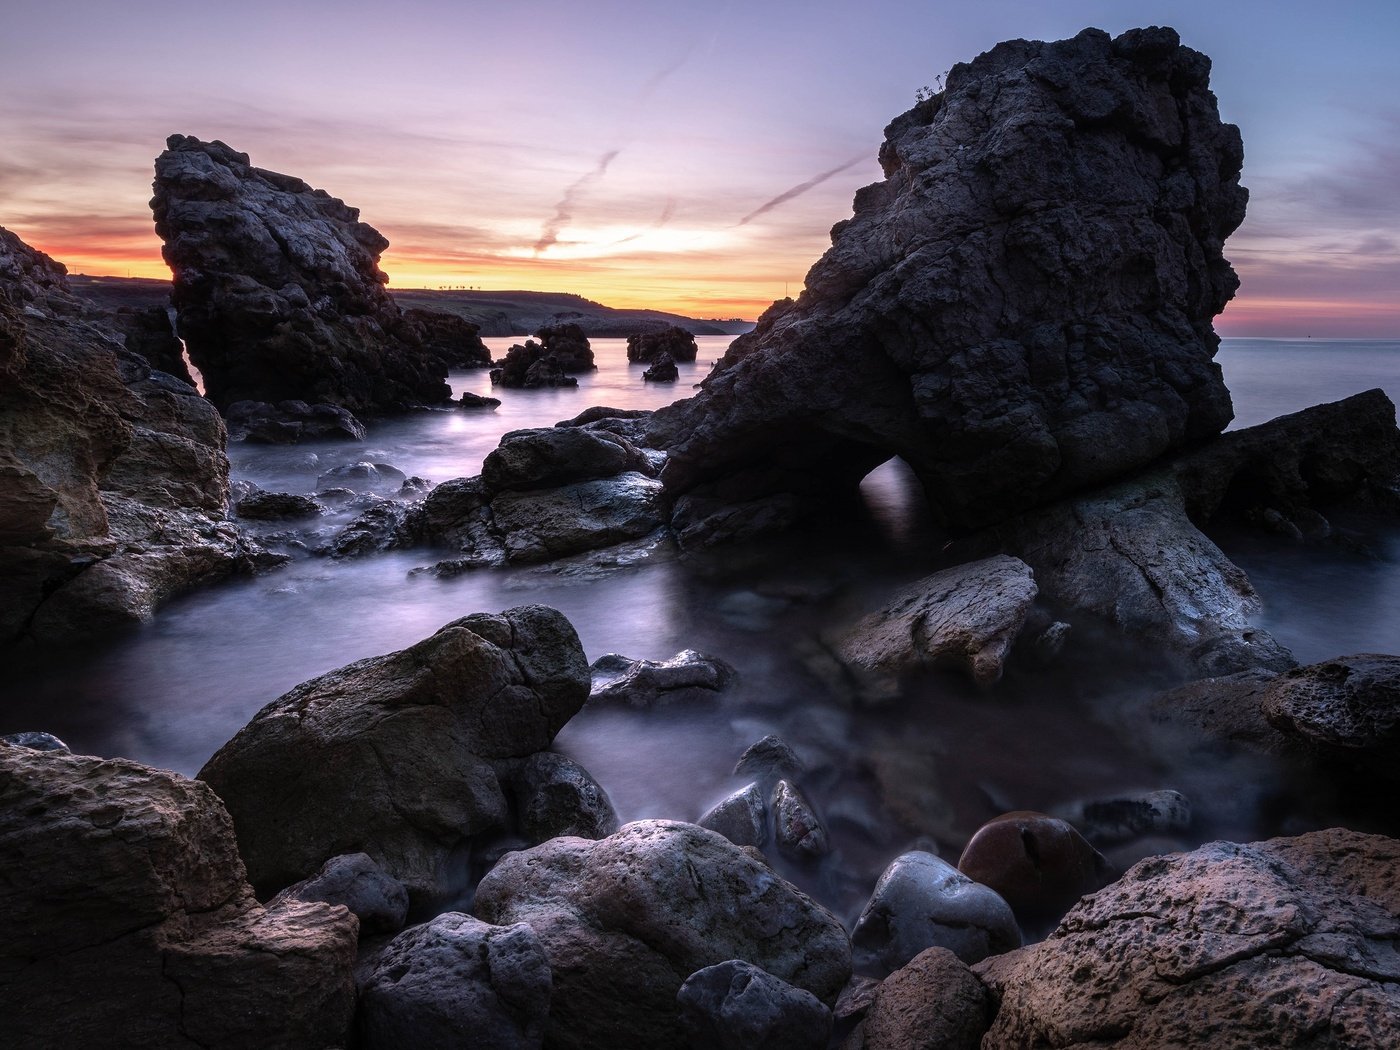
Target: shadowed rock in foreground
point(1022, 308)
point(279, 292)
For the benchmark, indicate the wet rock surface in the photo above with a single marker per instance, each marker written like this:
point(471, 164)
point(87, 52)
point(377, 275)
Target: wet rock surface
point(742, 817)
point(126, 910)
point(1284, 942)
point(1024, 304)
point(661, 370)
point(924, 902)
point(625, 919)
point(278, 290)
point(289, 422)
point(735, 1005)
point(554, 796)
point(687, 677)
point(406, 742)
point(967, 617)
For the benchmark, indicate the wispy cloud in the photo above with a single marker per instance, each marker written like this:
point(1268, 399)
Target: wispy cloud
point(799, 190)
point(564, 210)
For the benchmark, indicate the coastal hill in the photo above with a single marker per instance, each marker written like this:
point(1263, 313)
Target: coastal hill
point(497, 313)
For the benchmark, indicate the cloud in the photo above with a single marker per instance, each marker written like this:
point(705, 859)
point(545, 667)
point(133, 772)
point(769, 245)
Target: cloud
point(564, 210)
point(799, 190)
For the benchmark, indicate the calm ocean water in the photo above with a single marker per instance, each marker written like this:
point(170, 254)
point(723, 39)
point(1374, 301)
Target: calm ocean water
point(929, 769)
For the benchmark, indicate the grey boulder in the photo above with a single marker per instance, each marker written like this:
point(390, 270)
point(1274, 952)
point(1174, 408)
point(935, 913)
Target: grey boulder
point(735, 1005)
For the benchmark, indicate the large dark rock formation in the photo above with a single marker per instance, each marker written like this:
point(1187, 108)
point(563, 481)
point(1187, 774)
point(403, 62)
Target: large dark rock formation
point(113, 478)
point(1022, 308)
point(645, 347)
point(126, 920)
point(278, 289)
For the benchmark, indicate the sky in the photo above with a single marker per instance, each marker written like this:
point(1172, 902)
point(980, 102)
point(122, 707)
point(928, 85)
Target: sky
point(683, 156)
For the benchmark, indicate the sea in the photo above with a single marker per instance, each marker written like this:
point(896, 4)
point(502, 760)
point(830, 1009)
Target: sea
point(919, 770)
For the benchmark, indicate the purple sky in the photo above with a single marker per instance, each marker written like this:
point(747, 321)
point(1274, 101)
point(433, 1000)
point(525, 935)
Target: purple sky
point(686, 156)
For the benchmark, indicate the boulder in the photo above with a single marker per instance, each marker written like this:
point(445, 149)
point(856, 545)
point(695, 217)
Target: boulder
point(470, 400)
point(623, 920)
point(376, 529)
point(735, 1005)
point(643, 348)
point(362, 476)
point(456, 983)
point(661, 370)
point(933, 1003)
point(1038, 864)
point(529, 366)
point(1288, 942)
point(553, 456)
point(1021, 309)
point(288, 422)
point(742, 817)
point(355, 881)
point(541, 525)
point(278, 291)
point(404, 742)
point(797, 829)
point(556, 796)
point(1345, 712)
point(126, 917)
point(924, 902)
point(276, 506)
point(965, 617)
point(687, 677)
point(770, 758)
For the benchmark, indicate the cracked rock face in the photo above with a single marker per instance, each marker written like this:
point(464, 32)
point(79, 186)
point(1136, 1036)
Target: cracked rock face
point(278, 289)
point(1288, 942)
point(124, 909)
point(393, 756)
point(1022, 308)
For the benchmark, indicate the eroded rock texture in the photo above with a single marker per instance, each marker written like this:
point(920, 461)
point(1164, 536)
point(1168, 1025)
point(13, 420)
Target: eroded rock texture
point(113, 477)
point(1023, 307)
point(393, 755)
point(1289, 942)
point(278, 289)
point(126, 919)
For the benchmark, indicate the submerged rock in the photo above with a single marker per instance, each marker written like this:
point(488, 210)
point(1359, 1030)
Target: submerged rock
point(1279, 943)
point(405, 742)
point(276, 506)
point(624, 919)
point(1126, 817)
point(125, 916)
point(686, 677)
point(470, 400)
point(966, 617)
point(1021, 309)
point(278, 289)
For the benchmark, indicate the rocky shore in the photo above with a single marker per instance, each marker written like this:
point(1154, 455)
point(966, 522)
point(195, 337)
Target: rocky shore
point(392, 854)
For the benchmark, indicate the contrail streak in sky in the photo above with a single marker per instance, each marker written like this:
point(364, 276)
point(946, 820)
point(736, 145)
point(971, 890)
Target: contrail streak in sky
point(799, 190)
point(564, 210)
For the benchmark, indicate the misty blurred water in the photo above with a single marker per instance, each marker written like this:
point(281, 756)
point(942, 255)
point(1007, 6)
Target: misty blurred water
point(935, 764)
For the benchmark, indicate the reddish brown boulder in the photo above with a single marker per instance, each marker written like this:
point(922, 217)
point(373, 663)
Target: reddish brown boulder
point(1038, 863)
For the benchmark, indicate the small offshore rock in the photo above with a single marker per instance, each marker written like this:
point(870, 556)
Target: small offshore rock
point(688, 676)
point(457, 983)
point(922, 901)
point(470, 400)
point(742, 818)
point(1039, 864)
point(375, 530)
point(556, 796)
point(770, 757)
point(735, 1005)
point(276, 506)
point(363, 477)
point(1112, 820)
point(289, 422)
point(355, 881)
point(933, 1003)
point(798, 830)
point(673, 341)
point(662, 370)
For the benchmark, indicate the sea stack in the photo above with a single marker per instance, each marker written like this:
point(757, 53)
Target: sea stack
point(278, 289)
point(1021, 309)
